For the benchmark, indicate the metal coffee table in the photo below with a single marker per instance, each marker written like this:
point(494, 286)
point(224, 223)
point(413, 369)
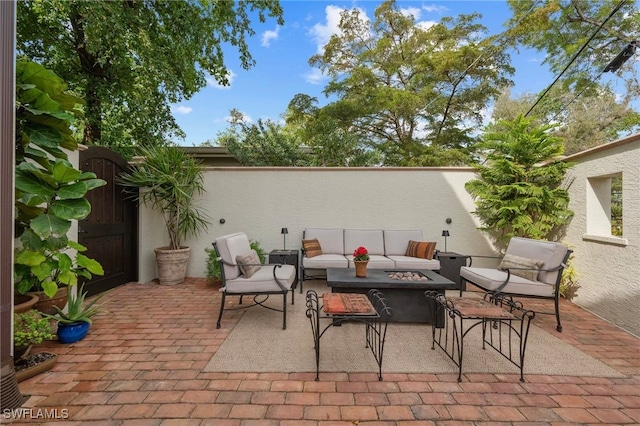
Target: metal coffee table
point(406, 298)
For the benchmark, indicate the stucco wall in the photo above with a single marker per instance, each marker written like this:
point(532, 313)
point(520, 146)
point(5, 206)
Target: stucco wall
point(608, 267)
point(261, 201)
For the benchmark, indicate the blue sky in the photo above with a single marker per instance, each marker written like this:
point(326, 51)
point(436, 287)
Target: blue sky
point(282, 70)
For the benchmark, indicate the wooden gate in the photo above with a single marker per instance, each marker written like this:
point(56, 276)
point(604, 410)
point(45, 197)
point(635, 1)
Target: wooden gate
point(110, 231)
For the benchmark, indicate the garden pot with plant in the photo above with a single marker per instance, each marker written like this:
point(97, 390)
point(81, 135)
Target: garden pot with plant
point(49, 191)
point(168, 180)
point(30, 328)
point(75, 321)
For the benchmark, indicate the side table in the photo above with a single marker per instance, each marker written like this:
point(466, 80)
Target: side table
point(505, 326)
point(450, 264)
point(287, 257)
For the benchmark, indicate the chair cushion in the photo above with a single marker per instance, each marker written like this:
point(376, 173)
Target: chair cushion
point(229, 246)
point(371, 239)
point(262, 281)
point(312, 248)
point(491, 279)
point(397, 240)
point(551, 253)
point(249, 263)
point(513, 261)
point(423, 249)
point(331, 239)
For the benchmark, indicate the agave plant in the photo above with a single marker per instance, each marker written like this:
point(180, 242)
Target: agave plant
point(76, 309)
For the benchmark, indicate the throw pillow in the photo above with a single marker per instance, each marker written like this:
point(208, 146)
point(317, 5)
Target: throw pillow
point(513, 261)
point(312, 247)
point(249, 263)
point(422, 249)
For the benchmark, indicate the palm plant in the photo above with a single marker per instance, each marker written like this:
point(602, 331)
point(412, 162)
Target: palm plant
point(168, 180)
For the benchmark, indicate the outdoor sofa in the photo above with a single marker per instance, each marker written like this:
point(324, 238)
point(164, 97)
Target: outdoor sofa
point(324, 248)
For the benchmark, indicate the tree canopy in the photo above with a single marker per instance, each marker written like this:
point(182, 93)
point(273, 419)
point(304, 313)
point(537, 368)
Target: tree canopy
point(131, 59)
point(408, 89)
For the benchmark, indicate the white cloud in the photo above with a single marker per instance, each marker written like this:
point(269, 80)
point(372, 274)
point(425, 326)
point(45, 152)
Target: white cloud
point(411, 11)
point(269, 35)
point(425, 25)
point(314, 76)
point(322, 32)
point(211, 82)
point(434, 8)
point(181, 109)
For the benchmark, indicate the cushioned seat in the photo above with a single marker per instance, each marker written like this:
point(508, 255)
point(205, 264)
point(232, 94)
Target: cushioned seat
point(243, 275)
point(529, 268)
point(376, 261)
point(410, 262)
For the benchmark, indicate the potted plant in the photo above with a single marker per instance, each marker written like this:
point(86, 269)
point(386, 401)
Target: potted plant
point(168, 180)
point(49, 191)
point(360, 259)
point(74, 323)
point(29, 328)
point(214, 270)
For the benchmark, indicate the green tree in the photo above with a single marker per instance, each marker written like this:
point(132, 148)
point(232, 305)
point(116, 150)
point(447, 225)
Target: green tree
point(264, 143)
point(404, 87)
point(560, 28)
point(131, 59)
point(583, 122)
point(519, 188)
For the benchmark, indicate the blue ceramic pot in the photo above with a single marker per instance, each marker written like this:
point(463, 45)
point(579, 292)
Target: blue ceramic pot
point(70, 333)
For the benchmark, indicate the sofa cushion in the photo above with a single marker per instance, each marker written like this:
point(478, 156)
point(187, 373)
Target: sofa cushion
point(331, 240)
point(551, 253)
point(371, 239)
point(408, 262)
point(249, 263)
point(512, 261)
point(312, 248)
point(423, 249)
point(491, 279)
point(229, 246)
point(325, 261)
point(397, 240)
point(376, 261)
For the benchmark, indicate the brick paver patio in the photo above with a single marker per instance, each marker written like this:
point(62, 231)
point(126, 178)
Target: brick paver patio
point(141, 364)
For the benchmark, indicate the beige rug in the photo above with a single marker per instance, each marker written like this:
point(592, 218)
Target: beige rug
point(258, 344)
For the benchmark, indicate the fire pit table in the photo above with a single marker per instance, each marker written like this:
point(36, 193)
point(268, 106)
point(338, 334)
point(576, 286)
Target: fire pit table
point(405, 297)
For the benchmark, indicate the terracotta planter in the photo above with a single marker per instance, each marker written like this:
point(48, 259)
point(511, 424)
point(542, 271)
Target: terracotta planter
point(34, 364)
point(361, 268)
point(172, 264)
point(24, 302)
point(46, 304)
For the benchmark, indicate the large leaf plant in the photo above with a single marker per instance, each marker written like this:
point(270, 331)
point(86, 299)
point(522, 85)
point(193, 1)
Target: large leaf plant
point(49, 191)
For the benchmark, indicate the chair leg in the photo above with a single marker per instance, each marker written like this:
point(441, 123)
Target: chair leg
point(557, 303)
point(221, 310)
point(284, 310)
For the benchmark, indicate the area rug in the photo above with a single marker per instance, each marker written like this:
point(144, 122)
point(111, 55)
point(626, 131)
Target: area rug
point(258, 344)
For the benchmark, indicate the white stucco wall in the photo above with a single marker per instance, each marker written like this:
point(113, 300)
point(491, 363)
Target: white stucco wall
point(261, 201)
point(608, 267)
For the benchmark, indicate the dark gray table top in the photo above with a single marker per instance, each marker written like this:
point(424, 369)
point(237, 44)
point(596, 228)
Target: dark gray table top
point(344, 277)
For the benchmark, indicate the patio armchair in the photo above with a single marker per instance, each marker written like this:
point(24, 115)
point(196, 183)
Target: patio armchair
point(530, 268)
point(244, 275)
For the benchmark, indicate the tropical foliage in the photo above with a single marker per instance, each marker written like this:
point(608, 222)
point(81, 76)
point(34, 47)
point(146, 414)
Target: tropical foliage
point(29, 328)
point(76, 310)
point(519, 190)
point(49, 191)
point(168, 180)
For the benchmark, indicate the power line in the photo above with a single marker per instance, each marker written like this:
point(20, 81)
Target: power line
point(584, 46)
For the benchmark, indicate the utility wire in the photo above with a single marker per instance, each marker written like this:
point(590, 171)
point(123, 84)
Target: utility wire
point(613, 12)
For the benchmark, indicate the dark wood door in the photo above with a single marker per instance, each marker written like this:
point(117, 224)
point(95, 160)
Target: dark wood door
point(110, 231)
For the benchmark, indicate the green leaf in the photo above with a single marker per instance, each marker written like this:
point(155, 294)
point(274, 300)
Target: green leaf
point(30, 258)
point(50, 288)
point(77, 246)
point(64, 262)
point(67, 277)
point(74, 191)
point(92, 265)
point(49, 225)
point(77, 209)
point(43, 136)
point(64, 172)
